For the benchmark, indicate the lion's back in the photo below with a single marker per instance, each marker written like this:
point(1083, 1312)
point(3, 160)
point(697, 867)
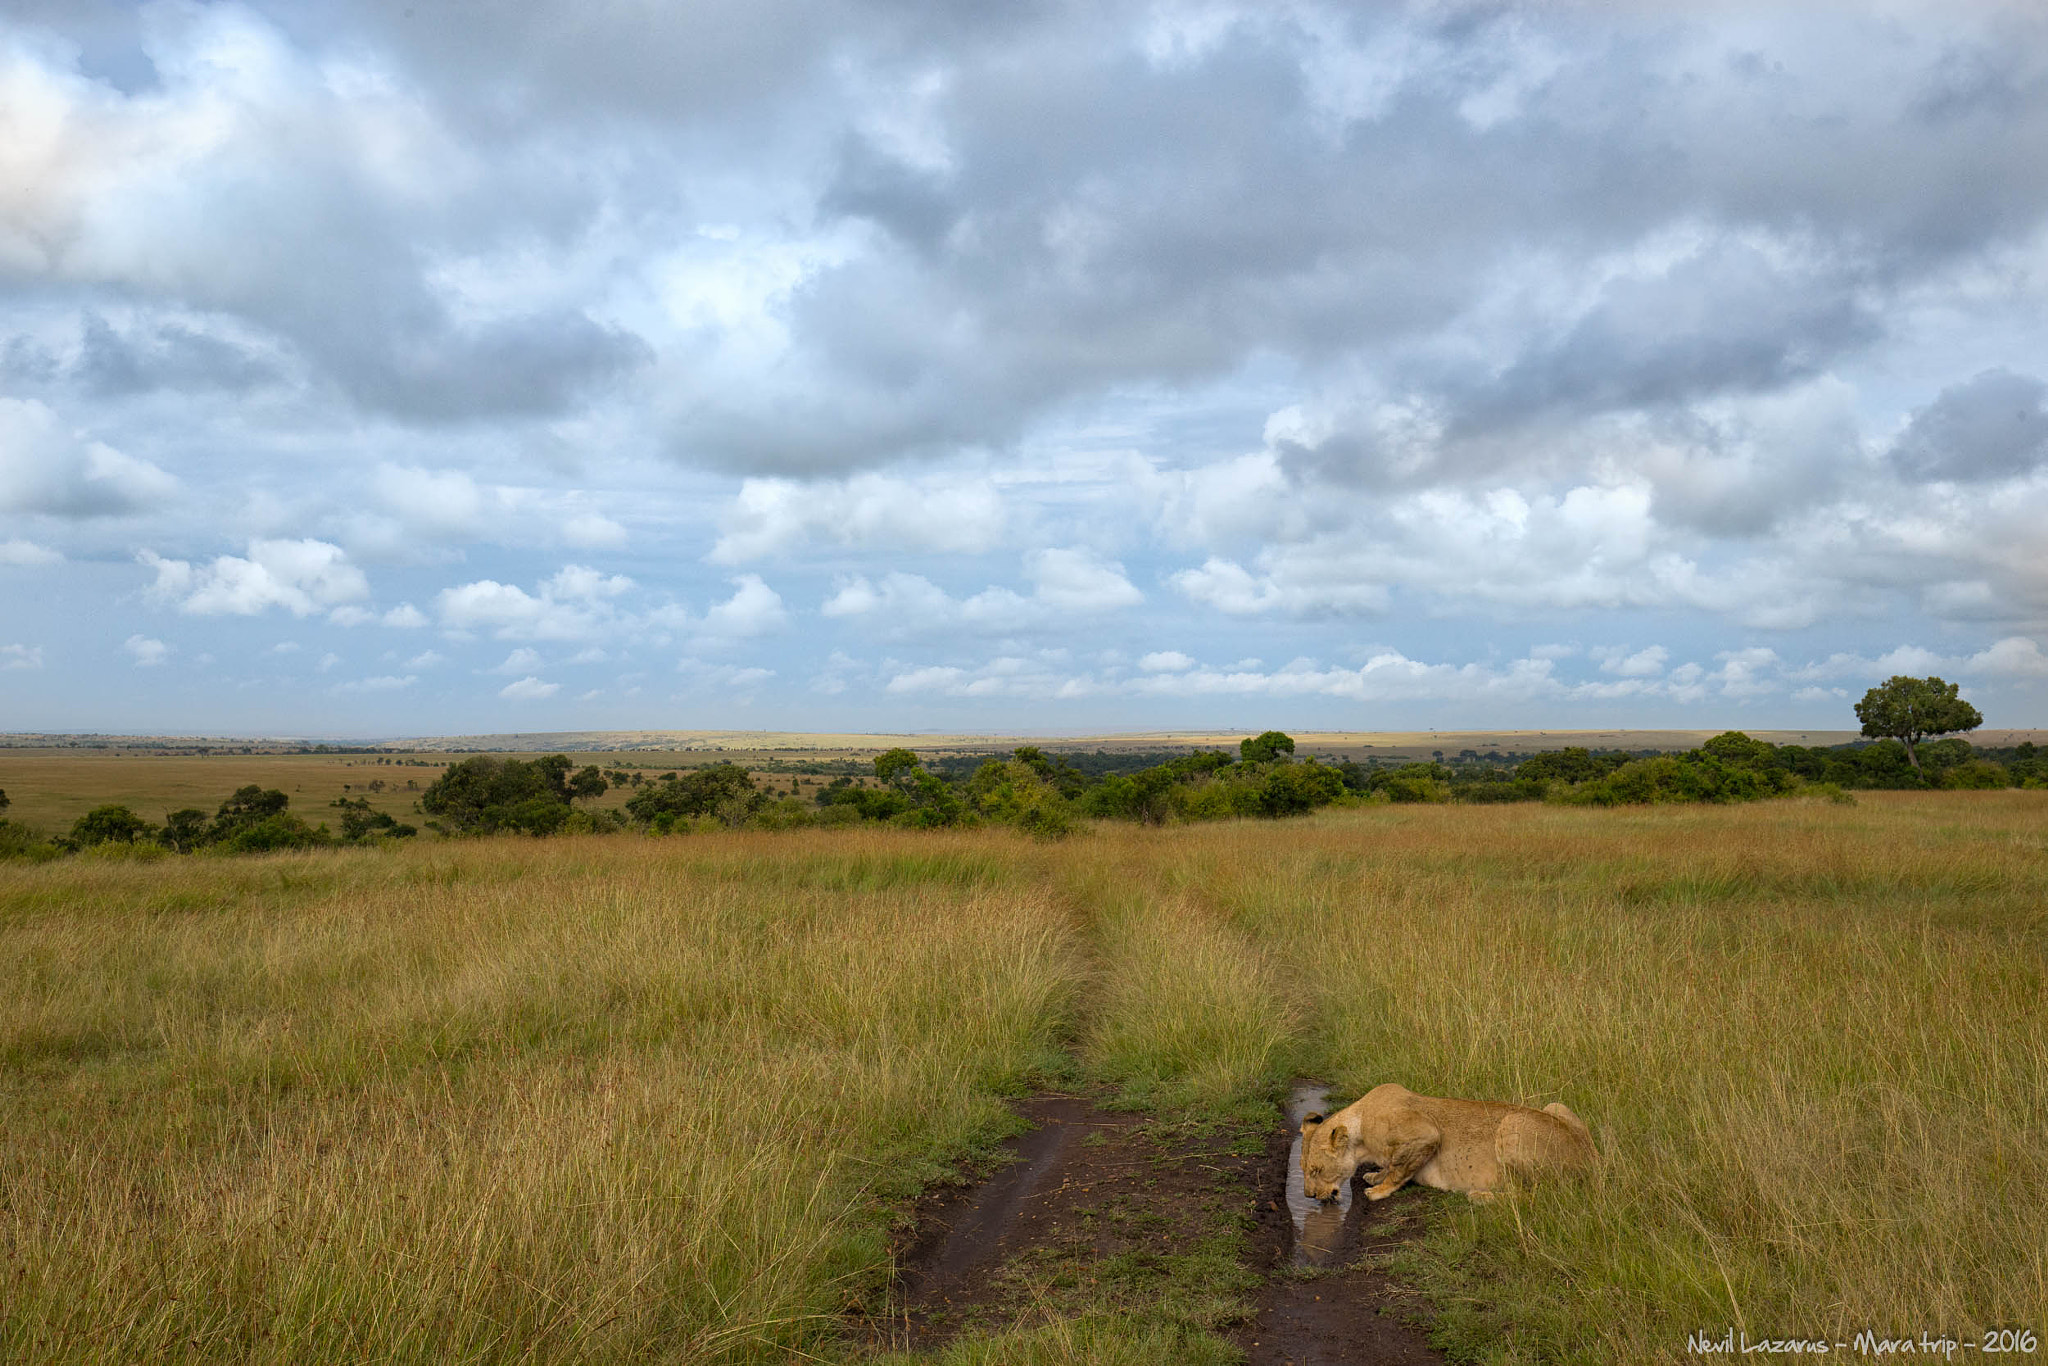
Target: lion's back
point(1535, 1140)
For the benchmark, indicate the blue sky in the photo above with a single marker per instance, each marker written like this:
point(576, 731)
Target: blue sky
point(379, 369)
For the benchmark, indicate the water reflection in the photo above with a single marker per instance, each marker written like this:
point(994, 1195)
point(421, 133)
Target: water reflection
point(1318, 1226)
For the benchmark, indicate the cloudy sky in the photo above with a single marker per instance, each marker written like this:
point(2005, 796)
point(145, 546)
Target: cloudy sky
point(383, 367)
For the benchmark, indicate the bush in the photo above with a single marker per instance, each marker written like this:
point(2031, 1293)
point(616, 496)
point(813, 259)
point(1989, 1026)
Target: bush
point(18, 842)
point(1212, 799)
point(1023, 794)
point(280, 831)
point(484, 795)
point(1138, 797)
point(109, 825)
point(1293, 789)
point(1695, 777)
point(248, 806)
point(724, 790)
point(184, 830)
point(1263, 749)
point(1975, 775)
point(787, 813)
point(1417, 783)
point(1573, 764)
point(1501, 789)
point(360, 823)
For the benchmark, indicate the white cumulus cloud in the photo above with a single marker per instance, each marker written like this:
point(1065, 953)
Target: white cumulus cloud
point(146, 653)
point(48, 469)
point(943, 513)
point(27, 554)
point(753, 609)
point(379, 683)
point(593, 531)
point(1066, 584)
point(300, 576)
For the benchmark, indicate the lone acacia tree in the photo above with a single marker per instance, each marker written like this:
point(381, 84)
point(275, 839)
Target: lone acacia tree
point(1910, 710)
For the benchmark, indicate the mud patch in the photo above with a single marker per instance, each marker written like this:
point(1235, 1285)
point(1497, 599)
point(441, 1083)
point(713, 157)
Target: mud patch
point(1097, 1211)
point(1323, 1303)
point(1109, 1212)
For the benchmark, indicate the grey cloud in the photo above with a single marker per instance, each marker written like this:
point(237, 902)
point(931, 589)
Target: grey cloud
point(912, 204)
point(700, 60)
point(317, 215)
point(1989, 427)
point(1725, 319)
point(1110, 218)
point(27, 361)
point(168, 355)
point(531, 366)
point(1106, 221)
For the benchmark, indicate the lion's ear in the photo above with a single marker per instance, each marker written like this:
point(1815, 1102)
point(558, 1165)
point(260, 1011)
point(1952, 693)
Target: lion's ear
point(1337, 1136)
point(1310, 1121)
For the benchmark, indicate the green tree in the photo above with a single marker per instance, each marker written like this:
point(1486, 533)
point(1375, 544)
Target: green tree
point(184, 830)
point(1733, 747)
point(279, 830)
point(1911, 709)
point(249, 806)
point(932, 801)
point(109, 825)
point(895, 766)
point(1054, 769)
point(1016, 792)
point(1264, 749)
point(722, 789)
point(588, 782)
point(486, 794)
point(360, 822)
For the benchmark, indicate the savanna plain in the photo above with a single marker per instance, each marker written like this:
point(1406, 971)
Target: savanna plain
point(626, 1098)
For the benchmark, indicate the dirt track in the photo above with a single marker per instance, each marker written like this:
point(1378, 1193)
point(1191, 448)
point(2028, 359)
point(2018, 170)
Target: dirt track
point(1096, 1205)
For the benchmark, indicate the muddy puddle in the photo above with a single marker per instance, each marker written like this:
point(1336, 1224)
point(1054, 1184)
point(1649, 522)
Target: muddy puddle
point(1319, 1226)
point(1087, 1213)
point(1324, 1301)
point(1088, 1192)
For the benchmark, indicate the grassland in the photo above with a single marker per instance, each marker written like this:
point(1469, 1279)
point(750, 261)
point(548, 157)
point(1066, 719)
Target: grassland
point(624, 1099)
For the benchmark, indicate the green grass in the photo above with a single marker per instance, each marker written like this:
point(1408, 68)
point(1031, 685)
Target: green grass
point(638, 1100)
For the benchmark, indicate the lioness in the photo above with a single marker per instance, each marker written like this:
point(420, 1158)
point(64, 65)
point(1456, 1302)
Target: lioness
point(1453, 1145)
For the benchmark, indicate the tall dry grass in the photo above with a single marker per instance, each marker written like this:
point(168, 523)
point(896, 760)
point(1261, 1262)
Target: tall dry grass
point(500, 1101)
point(1812, 1041)
point(611, 1099)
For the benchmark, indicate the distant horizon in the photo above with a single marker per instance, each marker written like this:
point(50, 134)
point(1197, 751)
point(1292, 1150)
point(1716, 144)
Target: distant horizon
point(647, 738)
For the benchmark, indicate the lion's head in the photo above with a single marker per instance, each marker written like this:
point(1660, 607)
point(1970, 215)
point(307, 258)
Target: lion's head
point(1327, 1160)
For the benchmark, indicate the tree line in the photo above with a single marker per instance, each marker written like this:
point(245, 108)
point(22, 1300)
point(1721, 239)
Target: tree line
point(1048, 795)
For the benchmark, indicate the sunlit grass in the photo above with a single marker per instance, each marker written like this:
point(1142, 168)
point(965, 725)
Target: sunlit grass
point(629, 1099)
point(1812, 1043)
point(496, 1101)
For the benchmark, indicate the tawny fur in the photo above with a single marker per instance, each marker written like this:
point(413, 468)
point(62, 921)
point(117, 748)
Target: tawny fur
point(1472, 1146)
